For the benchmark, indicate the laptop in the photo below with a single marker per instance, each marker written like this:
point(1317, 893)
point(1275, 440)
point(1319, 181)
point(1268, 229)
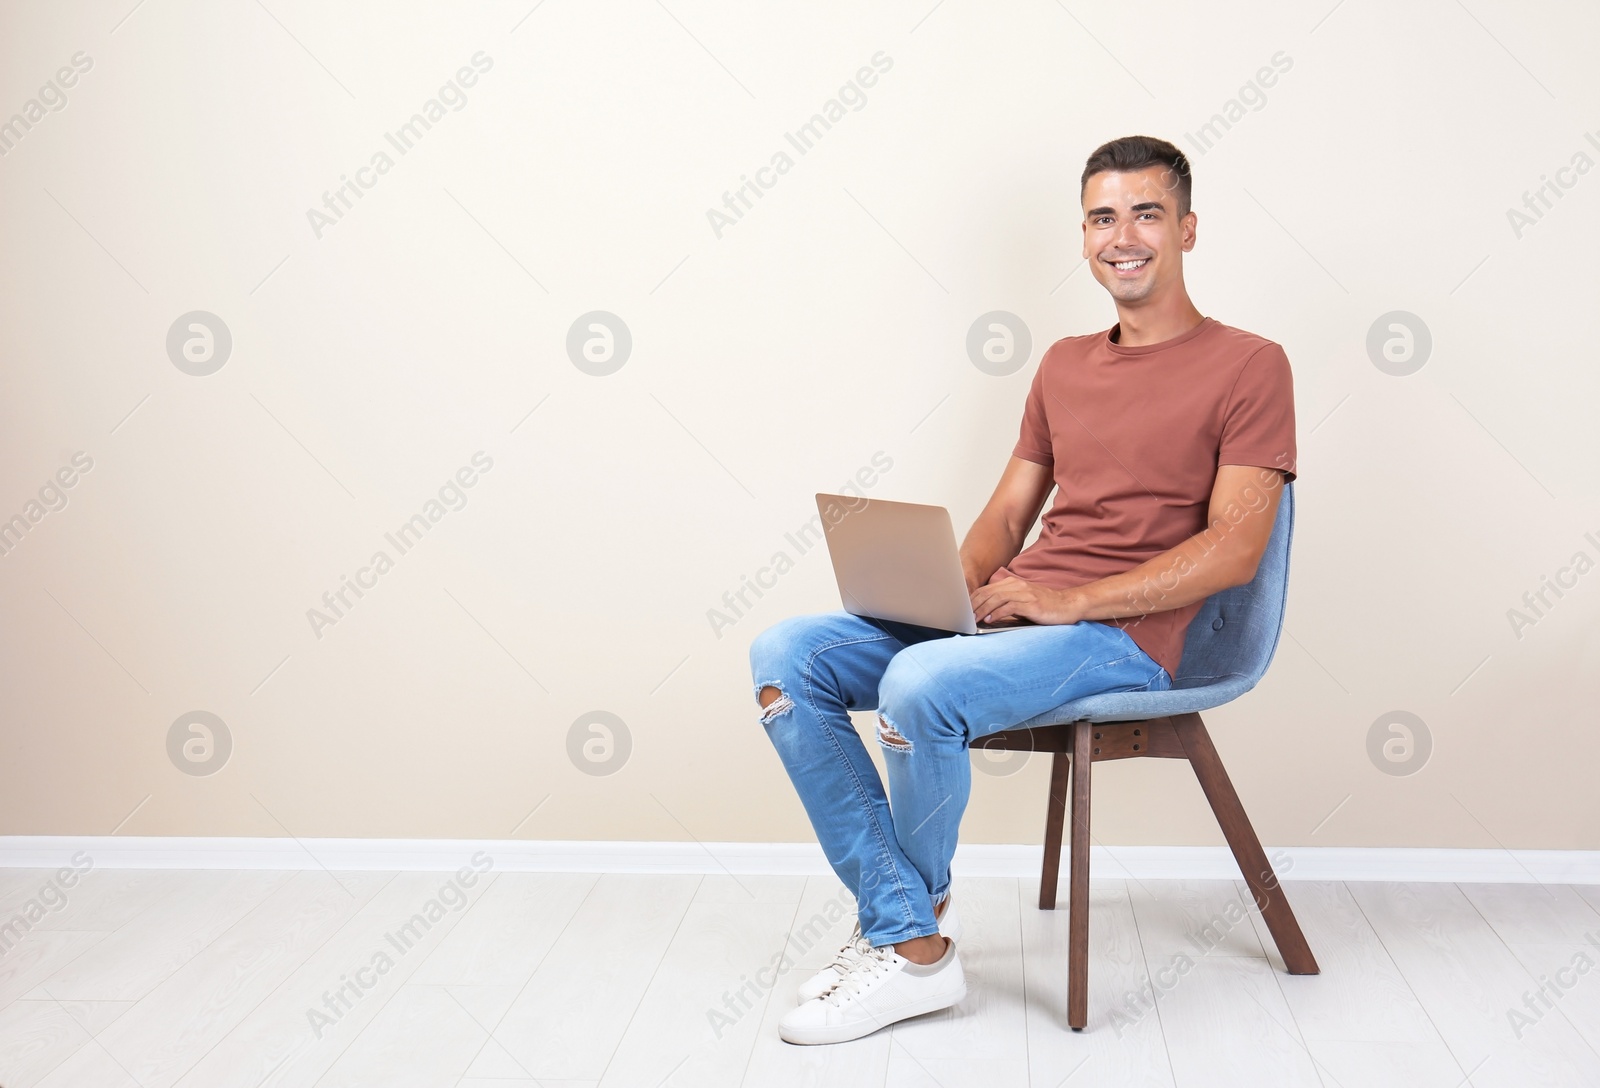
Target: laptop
point(898, 561)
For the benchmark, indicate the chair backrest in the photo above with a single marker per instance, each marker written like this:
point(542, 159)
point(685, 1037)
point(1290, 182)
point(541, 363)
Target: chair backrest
point(1236, 631)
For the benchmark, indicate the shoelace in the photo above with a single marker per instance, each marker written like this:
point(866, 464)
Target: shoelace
point(868, 962)
point(849, 953)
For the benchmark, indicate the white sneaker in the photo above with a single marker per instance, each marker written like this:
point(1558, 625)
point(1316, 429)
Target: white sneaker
point(817, 984)
point(880, 988)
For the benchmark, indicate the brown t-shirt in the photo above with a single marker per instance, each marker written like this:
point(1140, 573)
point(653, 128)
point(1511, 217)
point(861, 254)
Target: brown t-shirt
point(1135, 435)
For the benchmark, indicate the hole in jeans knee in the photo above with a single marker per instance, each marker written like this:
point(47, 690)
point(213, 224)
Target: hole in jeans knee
point(890, 737)
point(773, 703)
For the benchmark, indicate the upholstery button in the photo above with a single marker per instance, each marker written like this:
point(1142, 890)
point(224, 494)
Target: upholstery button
point(1216, 624)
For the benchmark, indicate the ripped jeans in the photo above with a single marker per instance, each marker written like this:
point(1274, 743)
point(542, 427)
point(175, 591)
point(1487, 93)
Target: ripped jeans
point(934, 694)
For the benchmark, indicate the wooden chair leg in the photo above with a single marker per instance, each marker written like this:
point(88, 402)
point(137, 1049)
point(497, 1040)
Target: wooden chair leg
point(1253, 863)
point(1055, 816)
point(1078, 894)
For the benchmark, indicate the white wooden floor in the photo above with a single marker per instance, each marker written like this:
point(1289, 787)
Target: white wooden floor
point(207, 979)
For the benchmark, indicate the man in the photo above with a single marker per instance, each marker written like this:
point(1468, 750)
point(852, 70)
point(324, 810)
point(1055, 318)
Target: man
point(1167, 439)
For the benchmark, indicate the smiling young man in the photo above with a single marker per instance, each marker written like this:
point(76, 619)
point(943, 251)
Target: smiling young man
point(1166, 440)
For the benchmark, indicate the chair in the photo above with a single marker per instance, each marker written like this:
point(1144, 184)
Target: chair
point(1227, 648)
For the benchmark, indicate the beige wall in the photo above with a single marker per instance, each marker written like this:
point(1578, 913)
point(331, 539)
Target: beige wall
point(827, 327)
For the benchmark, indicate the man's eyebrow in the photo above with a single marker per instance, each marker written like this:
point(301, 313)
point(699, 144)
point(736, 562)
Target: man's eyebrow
point(1142, 207)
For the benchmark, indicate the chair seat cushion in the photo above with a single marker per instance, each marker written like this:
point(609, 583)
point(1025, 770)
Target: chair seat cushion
point(1132, 706)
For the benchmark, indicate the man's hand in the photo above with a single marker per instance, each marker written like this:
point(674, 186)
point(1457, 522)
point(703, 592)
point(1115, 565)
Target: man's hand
point(1009, 597)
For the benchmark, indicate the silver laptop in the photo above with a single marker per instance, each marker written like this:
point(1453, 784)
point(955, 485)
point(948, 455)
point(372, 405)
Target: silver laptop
point(899, 561)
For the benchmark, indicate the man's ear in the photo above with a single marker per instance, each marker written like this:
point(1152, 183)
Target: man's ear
point(1085, 239)
point(1189, 222)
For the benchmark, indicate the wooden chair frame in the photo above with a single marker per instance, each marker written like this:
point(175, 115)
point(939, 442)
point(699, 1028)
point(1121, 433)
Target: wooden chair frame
point(1076, 747)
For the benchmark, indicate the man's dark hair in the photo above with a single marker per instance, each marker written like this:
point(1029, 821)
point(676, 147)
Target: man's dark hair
point(1132, 153)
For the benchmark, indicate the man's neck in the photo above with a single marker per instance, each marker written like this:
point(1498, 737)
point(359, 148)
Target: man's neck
point(1151, 324)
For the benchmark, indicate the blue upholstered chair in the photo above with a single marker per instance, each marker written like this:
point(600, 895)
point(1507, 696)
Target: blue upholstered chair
point(1226, 651)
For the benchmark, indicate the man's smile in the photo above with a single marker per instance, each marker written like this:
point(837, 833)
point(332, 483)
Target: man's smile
point(1129, 267)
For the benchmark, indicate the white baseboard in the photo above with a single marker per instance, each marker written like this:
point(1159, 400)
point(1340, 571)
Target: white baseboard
point(790, 859)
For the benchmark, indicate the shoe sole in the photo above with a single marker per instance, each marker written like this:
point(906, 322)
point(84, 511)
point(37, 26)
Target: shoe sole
point(843, 1033)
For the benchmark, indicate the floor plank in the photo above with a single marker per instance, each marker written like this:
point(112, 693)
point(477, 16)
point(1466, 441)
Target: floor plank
point(1536, 913)
point(1359, 993)
point(420, 1039)
point(1346, 1063)
point(983, 1039)
point(89, 1067)
point(1472, 988)
point(38, 956)
point(181, 1019)
point(134, 959)
point(1123, 1043)
point(571, 1017)
point(1193, 918)
point(1222, 1012)
point(107, 899)
point(301, 1029)
point(697, 1021)
point(35, 1037)
point(13, 881)
point(268, 980)
point(1554, 932)
point(1226, 1023)
point(486, 960)
point(821, 923)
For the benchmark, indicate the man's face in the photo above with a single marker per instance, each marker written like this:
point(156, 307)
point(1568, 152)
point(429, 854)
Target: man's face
point(1133, 237)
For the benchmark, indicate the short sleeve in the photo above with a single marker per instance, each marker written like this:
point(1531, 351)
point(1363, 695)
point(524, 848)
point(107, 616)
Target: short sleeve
point(1033, 443)
point(1258, 422)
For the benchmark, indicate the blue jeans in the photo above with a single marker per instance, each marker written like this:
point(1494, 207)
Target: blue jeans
point(935, 694)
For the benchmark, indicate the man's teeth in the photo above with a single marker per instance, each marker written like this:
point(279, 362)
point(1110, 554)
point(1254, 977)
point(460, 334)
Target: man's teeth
point(1128, 266)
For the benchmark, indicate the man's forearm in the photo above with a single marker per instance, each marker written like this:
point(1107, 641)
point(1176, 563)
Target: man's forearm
point(1205, 563)
point(1225, 553)
point(990, 545)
